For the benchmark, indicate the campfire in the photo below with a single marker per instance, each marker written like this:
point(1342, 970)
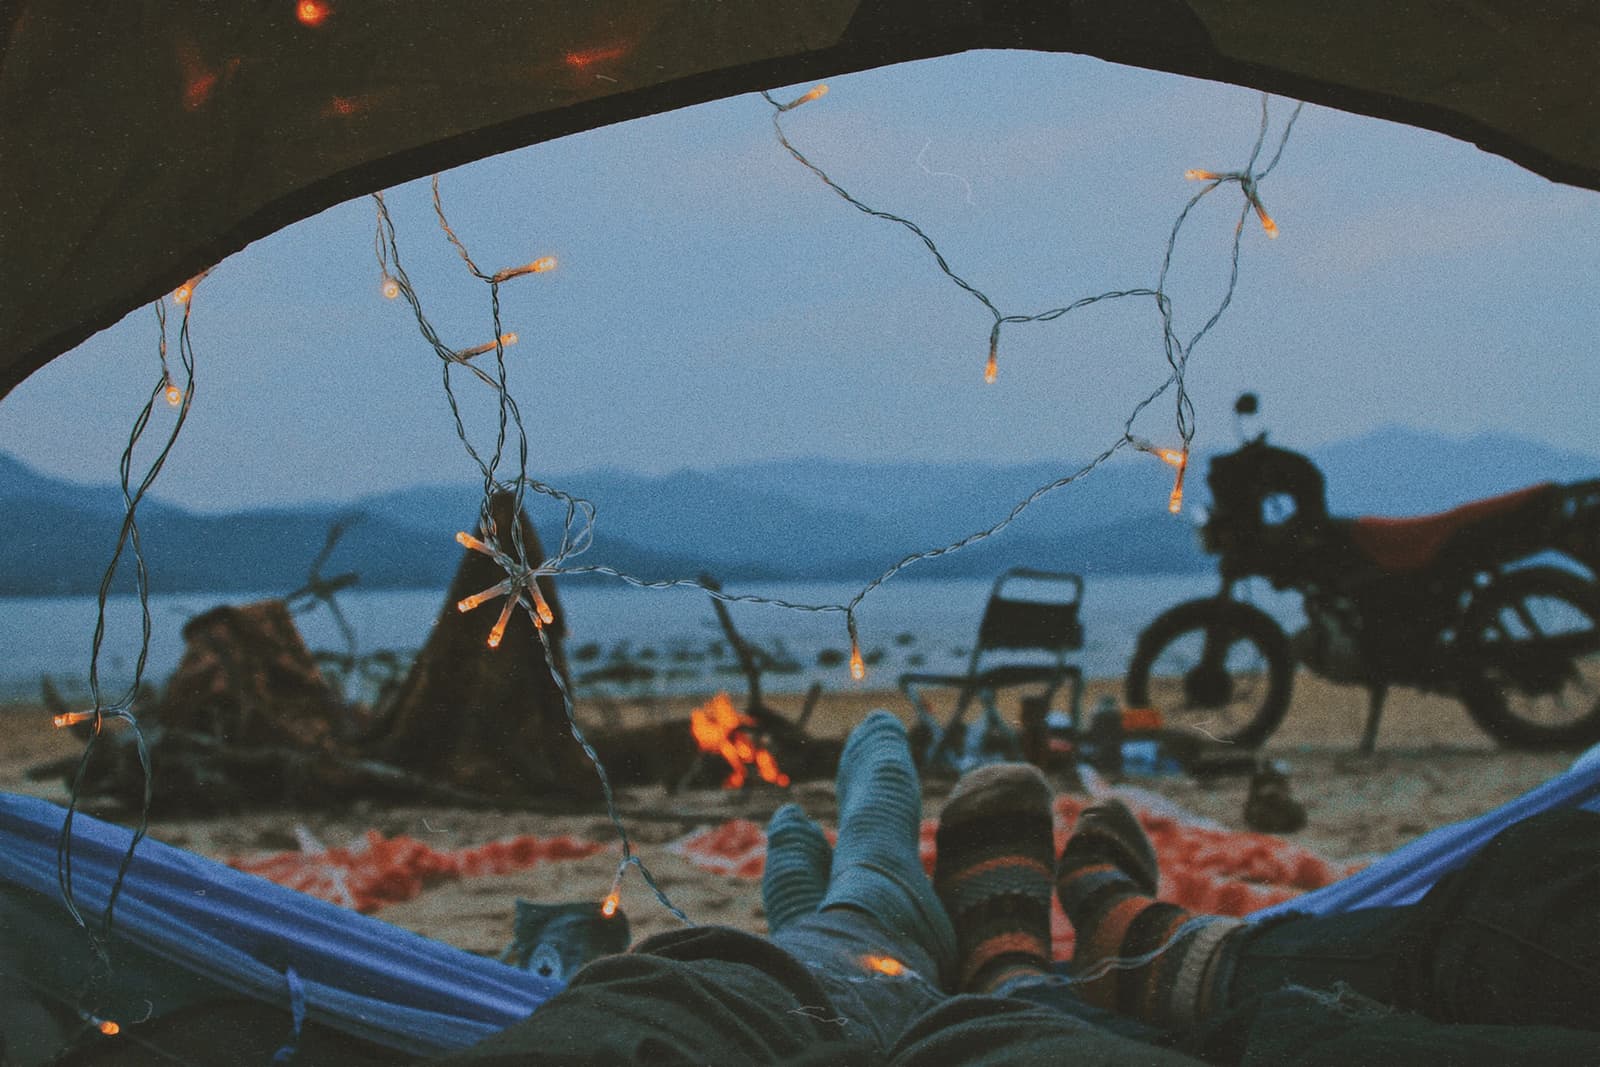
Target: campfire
point(719, 728)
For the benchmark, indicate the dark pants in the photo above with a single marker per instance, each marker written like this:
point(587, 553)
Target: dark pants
point(1512, 938)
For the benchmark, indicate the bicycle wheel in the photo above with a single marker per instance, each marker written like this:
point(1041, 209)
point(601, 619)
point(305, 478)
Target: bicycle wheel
point(1530, 659)
point(1217, 667)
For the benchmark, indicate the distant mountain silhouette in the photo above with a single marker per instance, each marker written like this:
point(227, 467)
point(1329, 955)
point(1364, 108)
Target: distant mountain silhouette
point(766, 520)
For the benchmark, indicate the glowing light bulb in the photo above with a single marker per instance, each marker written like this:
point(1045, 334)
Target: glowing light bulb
point(858, 667)
point(1175, 501)
point(540, 605)
point(498, 632)
point(109, 1028)
point(466, 540)
point(174, 394)
point(991, 369)
point(391, 288)
point(1202, 175)
point(72, 718)
point(311, 12)
point(506, 340)
point(467, 604)
point(538, 266)
point(884, 965)
point(608, 907)
point(1267, 224)
point(1172, 456)
point(182, 293)
point(816, 93)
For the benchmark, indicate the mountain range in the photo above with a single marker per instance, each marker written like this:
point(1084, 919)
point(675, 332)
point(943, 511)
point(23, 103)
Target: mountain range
point(768, 520)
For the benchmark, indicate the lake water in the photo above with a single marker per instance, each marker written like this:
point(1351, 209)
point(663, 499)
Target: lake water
point(673, 632)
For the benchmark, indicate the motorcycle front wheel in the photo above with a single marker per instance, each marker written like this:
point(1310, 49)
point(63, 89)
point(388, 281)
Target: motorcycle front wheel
point(1529, 655)
point(1215, 667)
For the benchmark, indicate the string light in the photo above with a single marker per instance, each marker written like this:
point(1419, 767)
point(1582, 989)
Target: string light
point(107, 1027)
point(520, 584)
point(578, 531)
point(1247, 184)
point(816, 93)
point(887, 965)
point(182, 293)
point(505, 340)
point(72, 718)
point(391, 288)
point(538, 266)
point(173, 393)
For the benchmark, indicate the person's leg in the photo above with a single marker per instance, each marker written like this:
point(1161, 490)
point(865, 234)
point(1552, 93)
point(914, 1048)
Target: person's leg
point(877, 863)
point(864, 917)
point(1514, 935)
point(799, 862)
point(1144, 958)
point(702, 995)
point(993, 874)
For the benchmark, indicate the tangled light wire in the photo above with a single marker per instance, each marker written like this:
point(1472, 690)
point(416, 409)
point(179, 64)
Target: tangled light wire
point(520, 587)
point(121, 708)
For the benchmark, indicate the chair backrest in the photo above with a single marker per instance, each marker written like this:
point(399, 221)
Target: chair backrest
point(1037, 623)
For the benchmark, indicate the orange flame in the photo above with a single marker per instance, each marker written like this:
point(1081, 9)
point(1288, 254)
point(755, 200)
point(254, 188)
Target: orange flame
point(719, 728)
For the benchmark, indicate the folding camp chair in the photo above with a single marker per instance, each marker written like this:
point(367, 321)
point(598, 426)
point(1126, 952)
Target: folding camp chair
point(1039, 629)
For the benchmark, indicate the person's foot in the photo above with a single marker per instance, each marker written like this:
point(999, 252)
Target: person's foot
point(995, 846)
point(877, 864)
point(799, 861)
point(1134, 954)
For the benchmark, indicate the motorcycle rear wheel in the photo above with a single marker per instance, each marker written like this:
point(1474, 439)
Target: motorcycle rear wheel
point(1239, 698)
point(1529, 650)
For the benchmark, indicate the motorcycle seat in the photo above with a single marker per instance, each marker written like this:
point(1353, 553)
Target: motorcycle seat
point(1401, 545)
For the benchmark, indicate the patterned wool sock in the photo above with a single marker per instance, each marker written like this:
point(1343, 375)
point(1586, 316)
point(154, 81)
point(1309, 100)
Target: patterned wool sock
point(993, 874)
point(799, 859)
point(877, 862)
point(1135, 954)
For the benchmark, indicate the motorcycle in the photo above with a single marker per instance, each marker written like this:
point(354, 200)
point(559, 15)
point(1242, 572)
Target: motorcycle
point(1486, 603)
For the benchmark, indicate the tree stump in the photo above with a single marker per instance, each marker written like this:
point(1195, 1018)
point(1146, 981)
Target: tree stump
point(491, 721)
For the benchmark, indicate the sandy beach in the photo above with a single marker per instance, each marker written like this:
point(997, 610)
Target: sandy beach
point(1432, 767)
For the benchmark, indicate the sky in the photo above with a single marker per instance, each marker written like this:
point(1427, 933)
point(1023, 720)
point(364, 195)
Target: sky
point(715, 303)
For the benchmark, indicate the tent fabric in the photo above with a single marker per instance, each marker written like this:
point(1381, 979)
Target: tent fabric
point(358, 975)
point(1405, 875)
point(142, 142)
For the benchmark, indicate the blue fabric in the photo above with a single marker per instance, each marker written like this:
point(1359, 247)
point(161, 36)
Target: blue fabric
point(1403, 876)
point(358, 974)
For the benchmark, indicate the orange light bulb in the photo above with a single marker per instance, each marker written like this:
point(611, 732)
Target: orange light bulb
point(540, 605)
point(72, 718)
point(391, 288)
point(858, 667)
point(174, 395)
point(466, 540)
point(182, 293)
point(498, 633)
point(816, 93)
point(884, 965)
point(109, 1028)
point(1202, 175)
point(608, 907)
point(311, 12)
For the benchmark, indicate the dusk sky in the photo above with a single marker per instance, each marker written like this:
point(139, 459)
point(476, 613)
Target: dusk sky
point(715, 303)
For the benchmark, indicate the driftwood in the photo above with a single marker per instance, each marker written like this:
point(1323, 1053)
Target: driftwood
point(491, 721)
